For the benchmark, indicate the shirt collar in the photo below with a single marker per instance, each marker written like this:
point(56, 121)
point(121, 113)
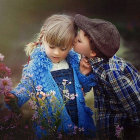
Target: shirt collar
point(95, 60)
point(61, 65)
point(98, 62)
point(98, 66)
point(39, 55)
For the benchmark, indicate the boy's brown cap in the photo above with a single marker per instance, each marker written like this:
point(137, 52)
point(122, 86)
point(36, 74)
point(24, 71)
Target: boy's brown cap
point(103, 33)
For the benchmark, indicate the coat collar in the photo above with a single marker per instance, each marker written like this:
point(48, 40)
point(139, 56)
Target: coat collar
point(40, 56)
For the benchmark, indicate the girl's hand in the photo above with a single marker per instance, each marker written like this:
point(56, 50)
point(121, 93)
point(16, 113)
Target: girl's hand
point(9, 97)
point(85, 67)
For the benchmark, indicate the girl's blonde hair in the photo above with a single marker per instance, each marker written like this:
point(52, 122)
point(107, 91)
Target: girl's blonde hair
point(57, 30)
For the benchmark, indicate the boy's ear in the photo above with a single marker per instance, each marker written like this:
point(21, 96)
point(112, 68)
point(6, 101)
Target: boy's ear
point(92, 54)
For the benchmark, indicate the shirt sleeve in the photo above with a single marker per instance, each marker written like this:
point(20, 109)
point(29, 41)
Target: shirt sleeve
point(125, 90)
point(87, 82)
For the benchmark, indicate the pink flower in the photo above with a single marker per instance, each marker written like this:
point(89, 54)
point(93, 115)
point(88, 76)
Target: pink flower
point(35, 116)
point(69, 125)
point(64, 82)
point(72, 96)
point(5, 85)
point(39, 88)
point(41, 127)
point(8, 70)
point(49, 121)
point(81, 129)
point(118, 131)
point(4, 70)
point(76, 95)
point(52, 92)
point(75, 127)
point(1, 127)
point(33, 105)
point(1, 57)
point(59, 136)
point(26, 127)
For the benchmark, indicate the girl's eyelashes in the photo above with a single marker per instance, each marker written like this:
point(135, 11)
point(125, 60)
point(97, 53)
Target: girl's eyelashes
point(52, 47)
point(63, 49)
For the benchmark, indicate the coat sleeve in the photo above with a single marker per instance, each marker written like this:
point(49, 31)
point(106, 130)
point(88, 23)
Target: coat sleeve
point(87, 82)
point(24, 88)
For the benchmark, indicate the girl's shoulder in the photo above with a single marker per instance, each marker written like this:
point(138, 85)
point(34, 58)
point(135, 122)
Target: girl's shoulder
point(38, 52)
point(39, 59)
point(73, 58)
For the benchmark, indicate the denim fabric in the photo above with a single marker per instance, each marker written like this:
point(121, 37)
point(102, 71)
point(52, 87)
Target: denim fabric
point(71, 105)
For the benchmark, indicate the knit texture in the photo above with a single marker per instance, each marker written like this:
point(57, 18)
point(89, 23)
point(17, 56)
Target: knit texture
point(39, 67)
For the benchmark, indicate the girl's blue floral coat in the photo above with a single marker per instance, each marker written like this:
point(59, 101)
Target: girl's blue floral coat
point(39, 67)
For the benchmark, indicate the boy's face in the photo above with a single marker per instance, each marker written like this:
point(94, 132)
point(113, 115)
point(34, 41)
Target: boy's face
point(82, 45)
point(56, 54)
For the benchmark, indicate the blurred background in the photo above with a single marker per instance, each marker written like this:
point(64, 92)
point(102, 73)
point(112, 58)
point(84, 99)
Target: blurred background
point(20, 20)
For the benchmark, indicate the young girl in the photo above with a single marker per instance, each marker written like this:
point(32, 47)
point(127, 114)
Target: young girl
point(51, 64)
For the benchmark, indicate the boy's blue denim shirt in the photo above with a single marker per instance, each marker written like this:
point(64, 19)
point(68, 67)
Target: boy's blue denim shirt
point(117, 92)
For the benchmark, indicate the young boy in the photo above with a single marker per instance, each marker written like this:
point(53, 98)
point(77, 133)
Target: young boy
point(117, 93)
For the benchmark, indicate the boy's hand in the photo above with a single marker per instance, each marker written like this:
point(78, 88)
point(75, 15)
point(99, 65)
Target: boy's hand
point(85, 67)
point(9, 97)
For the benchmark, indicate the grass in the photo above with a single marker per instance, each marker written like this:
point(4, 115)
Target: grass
point(89, 98)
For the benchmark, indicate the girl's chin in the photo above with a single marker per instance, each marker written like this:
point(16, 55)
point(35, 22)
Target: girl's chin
point(55, 61)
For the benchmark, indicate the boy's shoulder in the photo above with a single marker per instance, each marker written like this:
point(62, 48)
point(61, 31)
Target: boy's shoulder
point(120, 67)
point(114, 68)
point(116, 63)
point(104, 67)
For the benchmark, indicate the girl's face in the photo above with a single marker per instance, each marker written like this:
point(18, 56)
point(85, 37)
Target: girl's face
point(82, 45)
point(56, 54)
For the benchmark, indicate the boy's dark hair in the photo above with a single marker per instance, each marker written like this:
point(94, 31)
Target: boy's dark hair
point(105, 36)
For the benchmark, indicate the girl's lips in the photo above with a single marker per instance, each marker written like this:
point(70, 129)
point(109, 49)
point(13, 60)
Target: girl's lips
point(55, 57)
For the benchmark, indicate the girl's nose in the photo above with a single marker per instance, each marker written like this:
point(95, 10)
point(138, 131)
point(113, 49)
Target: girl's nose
point(56, 51)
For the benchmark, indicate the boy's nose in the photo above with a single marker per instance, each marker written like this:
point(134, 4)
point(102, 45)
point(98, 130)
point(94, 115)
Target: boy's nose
point(75, 40)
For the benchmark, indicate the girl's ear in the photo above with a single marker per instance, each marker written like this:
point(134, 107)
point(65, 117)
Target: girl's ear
point(92, 54)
